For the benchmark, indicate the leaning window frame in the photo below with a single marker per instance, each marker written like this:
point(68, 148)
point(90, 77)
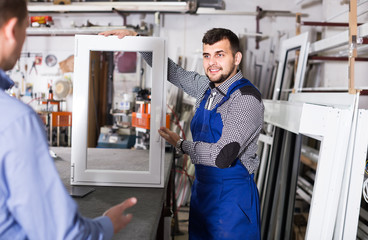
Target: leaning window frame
point(335, 120)
point(298, 42)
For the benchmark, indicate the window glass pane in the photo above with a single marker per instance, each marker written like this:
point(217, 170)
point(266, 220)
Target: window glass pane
point(119, 108)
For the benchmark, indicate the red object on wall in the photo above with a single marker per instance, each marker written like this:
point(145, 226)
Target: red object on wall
point(42, 19)
point(127, 62)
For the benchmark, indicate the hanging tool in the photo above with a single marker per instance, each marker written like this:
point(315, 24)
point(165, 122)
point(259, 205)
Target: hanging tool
point(33, 67)
point(37, 61)
point(22, 90)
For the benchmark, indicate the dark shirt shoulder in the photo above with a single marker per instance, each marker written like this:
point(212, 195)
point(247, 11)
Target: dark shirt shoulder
point(250, 90)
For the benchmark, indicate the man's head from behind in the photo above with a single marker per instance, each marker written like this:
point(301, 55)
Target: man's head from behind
point(13, 24)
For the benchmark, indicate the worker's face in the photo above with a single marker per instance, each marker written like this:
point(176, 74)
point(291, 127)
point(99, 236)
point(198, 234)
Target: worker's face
point(16, 34)
point(219, 62)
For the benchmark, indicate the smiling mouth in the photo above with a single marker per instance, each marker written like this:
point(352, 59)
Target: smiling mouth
point(214, 70)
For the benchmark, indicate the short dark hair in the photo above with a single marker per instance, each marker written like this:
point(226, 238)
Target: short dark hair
point(12, 8)
point(217, 34)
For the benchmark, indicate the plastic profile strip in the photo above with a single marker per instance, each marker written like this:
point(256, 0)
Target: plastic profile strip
point(336, 40)
point(337, 100)
point(262, 178)
point(266, 140)
point(353, 180)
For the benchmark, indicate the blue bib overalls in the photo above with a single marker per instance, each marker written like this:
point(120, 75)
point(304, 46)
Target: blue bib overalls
point(224, 202)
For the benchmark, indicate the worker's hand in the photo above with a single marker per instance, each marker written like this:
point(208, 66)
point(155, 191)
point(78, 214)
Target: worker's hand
point(170, 136)
point(120, 33)
point(116, 214)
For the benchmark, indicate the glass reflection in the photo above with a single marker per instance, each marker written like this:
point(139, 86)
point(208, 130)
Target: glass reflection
point(119, 108)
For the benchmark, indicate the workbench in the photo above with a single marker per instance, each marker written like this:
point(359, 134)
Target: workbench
point(146, 213)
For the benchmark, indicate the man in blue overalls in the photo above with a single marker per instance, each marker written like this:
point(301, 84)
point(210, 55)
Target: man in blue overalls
point(225, 129)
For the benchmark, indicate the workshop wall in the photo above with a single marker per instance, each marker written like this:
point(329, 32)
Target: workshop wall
point(184, 33)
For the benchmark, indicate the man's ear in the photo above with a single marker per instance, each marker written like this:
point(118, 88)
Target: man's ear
point(9, 29)
point(238, 58)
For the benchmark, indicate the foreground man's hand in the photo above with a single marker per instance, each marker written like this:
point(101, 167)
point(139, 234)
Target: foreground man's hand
point(116, 214)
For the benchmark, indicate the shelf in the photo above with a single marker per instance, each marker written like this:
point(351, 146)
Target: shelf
point(267, 13)
point(178, 7)
point(336, 40)
point(212, 11)
point(50, 31)
point(138, 7)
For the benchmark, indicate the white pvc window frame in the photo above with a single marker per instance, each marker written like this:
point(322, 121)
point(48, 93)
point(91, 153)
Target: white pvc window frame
point(80, 175)
point(330, 118)
point(351, 190)
point(298, 42)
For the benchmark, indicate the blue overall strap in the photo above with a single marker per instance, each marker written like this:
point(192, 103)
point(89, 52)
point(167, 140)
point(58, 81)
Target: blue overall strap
point(200, 131)
point(243, 84)
point(206, 125)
